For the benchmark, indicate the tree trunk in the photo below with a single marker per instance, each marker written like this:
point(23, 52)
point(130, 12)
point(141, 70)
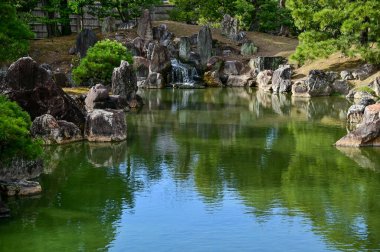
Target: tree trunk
point(364, 33)
point(51, 24)
point(284, 30)
point(254, 26)
point(65, 17)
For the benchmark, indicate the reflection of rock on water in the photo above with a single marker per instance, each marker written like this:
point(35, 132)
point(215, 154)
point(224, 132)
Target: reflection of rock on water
point(365, 158)
point(106, 154)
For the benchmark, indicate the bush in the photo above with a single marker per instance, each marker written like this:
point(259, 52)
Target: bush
point(15, 139)
point(100, 61)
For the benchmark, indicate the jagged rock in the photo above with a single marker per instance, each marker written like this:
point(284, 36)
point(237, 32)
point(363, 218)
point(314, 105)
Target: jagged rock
point(215, 63)
point(375, 85)
point(19, 168)
point(264, 80)
point(20, 188)
point(162, 34)
point(97, 93)
point(204, 44)
point(341, 87)
point(211, 79)
point(266, 63)
point(248, 49)
point(281, 79)
point(346, 75)
point(51, 131)
point(195, 59)
point(318, 83)
point(108, 25)
point(232, 67)
point(363, 72)
point(154, 80)
point(230, 27)
point(355, 113)
point(135, 46)
point(124, 81)
point(194, 39)
point(184, 48)
point(366, 101)
point(365, 135)
point(34, 89)
point(85, 39)
point(238, 80)
point(106, 126)
point(160, 61)
point(141, 68)
point(144, 29)
point(371, 113)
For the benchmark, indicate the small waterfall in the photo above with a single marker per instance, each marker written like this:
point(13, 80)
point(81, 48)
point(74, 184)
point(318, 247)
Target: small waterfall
point(183, 74)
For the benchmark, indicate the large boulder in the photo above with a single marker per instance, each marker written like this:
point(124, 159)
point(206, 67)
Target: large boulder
point(371, 113)
point(153, 81)
point(317, 83)
point(266, 63)
point(144, 28)
point(34, 89)
point(340, 87)
point(363, 72)
point(281, 79)
point(238, 80)
point(160, 60)
point(355, 113)
point(85, 39)
point(230, 27)
point(124, 81)
point(20, 169)
point(162, 34)
point(97, 93)
point(204, 44)
point(105, 126)
point(108, 25)
point(212, 79)
point(51, 131)
point(184, 48)
point(232, 67)
point(264, 80)
point(141, 68)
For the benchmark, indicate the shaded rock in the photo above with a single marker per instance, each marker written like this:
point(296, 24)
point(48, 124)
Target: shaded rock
point(204, 44)
point(19, 168)
point(97, 93)
point(61, 79)
point(211, 79)
point(340, 87)
point(346, 75)
point(363, 72)
point(106, 126)
point(215, 63)
point(34, 89)
point(184, 48)
point(154, 80)
point(366, 101)
point(266, 63)
point(108, 25)
point(162, 34)
point(194, 39)
point(264, 80)
point(355, 113)
point(47, 67)
point(195, 59)
point(281, 80)
point(51, 131)
point(20, 188)
point(230, 27)
point(85, 39)
point(248, 49)
point(141, 68)
point(316, 84)
point(144, 28)
point(365, 135)
point(160, 61)
point(232, 67)
point(238, 80)
point(124, 81)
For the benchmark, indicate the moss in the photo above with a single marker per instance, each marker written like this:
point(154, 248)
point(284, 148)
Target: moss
point(367, 90)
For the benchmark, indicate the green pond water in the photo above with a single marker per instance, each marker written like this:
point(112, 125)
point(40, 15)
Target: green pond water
point(208, 170)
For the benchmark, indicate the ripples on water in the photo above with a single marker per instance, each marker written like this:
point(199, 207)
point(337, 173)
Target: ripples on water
point(208, 170)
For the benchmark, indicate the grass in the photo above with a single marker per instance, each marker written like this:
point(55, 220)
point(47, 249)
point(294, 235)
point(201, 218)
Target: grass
point(76, 90)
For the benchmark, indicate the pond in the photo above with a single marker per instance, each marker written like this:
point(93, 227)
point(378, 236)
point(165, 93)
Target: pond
point(208, 170)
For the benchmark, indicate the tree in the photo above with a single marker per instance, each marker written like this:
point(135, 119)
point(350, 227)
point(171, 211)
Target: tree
point(350, 26)
point(14, 34)
point(79, 7)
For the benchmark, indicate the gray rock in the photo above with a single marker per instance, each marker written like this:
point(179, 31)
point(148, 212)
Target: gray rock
point(144, 29)
point(364, 72)
point(365, 135)
point(204, 44)
point(375, 85)
point(232, 67)
point(153, 81)
point(230, 27)
point(108, 25)
point(194, 39)
point(366, 101)
point(131, 24)
point(184, 48)
point(160, 60)
point(248, 49)
point(346, 75)
point(264, 80)
point(238, 80)
point(355, 113)
point(281, 80)
point(85, 39)
point(97, 93)
point(266, 63)
point(341, 87)
point(124, 81)
point(316, 84)
point(136, 46)
point(19, 168)
point(162, 34)
point(215, 63)
point(371, 113)
point(51, 131)
point(105, 126)
point(141, 68)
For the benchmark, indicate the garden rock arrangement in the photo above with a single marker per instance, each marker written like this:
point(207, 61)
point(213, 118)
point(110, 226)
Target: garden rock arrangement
point(85, 39)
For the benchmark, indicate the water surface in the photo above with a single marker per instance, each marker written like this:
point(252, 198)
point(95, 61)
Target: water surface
point(208, 170)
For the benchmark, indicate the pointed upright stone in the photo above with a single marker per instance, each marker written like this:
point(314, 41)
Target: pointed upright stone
point(204, 44)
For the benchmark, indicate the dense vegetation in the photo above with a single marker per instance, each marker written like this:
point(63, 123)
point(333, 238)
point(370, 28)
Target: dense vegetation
point(15, 139)
point(100, 61)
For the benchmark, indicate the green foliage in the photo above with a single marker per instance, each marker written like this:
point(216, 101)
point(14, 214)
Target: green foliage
point(15, 139)
point(14, 34)
point(367, 90)
point(350, 26)
point(100, 61)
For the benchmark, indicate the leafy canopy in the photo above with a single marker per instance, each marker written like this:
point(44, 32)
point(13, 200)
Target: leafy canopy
point(100, 61)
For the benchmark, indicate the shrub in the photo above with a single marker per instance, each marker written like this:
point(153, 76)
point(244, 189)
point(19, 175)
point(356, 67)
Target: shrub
point(100, 61)
point(15, 139)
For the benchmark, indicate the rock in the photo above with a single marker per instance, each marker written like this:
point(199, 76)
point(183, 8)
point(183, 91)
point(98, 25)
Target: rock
point(51, 131)
point(154, 80)
point(19, 168)
point(371, 113)
point(20, 188)
point(238, 80)
point(281, 80)
point(366, 101)
point(361, 93)
point(248, 49)
point(4, 210)
point(184, 48)
point(211, 79)
point(363, 72)
point(72, 50)
point(355, 114)
point(141, 68)
point(131, 24)
point(85, 39)
point(266, 63)
point(105, 126)
point(204, 44)
point(144, 28)
point(346, 75)
point(61, 79)
point(375, 86)
point(232, 67)
point(194, 39)
point(135, 47)
point(124, 80)
point(215, 63)
point(341, 87)
point(34, 89)
point(162, 34)
point(230, 27)
point(195, 59)
point(316, 84)
point(264, 80)
point(108, 25)
point(97, 93)
point(365, 135)
point(47, 67)
point(160, 61)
